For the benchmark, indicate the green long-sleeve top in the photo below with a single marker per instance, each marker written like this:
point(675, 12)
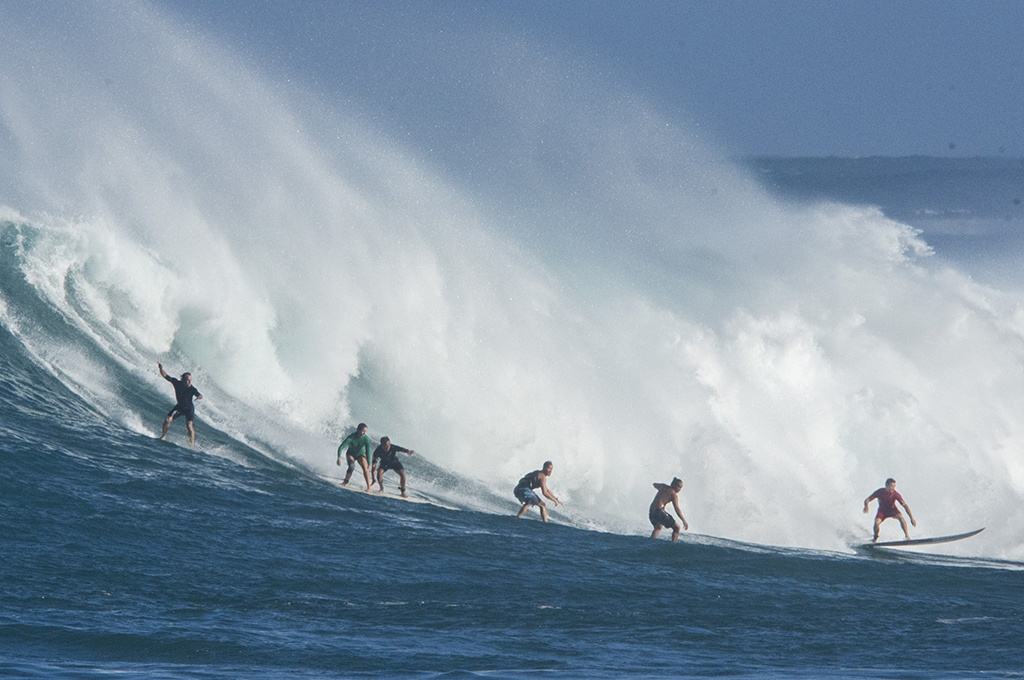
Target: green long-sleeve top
point(356, 445)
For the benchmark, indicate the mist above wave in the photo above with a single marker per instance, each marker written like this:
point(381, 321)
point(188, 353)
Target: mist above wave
point(616, 296)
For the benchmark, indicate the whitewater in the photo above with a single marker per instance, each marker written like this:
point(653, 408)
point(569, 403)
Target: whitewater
point(601, 287)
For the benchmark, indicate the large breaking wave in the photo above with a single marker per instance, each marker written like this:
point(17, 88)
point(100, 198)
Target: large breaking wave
point(608, 292)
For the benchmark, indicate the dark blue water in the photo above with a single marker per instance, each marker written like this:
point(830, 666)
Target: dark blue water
point(580, 278)
point(122, 555)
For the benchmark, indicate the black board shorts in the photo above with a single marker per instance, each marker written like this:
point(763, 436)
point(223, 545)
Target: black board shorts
point(187, 410)
point(660, 518)
point(395, 465)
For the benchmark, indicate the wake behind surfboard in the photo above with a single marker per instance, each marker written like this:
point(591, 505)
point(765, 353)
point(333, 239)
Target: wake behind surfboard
point(922, 541)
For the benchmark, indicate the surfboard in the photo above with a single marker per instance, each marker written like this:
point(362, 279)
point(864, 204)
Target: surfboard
point(923, 541)
point(413, 497)
point(356, 486)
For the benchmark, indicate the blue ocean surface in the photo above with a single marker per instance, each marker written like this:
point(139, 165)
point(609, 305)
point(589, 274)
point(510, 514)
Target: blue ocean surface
point(584, 280)
point(127, 556)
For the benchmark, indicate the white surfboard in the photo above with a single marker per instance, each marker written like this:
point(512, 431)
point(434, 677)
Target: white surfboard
point(922, 541)
point(356, 486)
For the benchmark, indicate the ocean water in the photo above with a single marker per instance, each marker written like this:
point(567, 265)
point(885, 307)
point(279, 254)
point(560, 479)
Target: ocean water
point(600, 287)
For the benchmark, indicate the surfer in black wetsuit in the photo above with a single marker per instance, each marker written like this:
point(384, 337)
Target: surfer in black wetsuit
point(385, 457)
point(526, 495)
point(184, 391)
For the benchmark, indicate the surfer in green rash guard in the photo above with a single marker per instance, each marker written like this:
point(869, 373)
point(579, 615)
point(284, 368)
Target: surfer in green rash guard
point(386, 456)
point(887, 498)
point(357, 448)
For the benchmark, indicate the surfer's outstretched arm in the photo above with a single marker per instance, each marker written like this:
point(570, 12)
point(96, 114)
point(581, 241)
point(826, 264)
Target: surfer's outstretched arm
point(909, 513)
point(675, 504)
point(544, 489)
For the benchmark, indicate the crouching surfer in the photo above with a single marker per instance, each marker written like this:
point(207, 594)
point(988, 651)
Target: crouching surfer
point(887, 498)
point(357, 449)
point(667, 493)
point(526, 495)
point(385, 457)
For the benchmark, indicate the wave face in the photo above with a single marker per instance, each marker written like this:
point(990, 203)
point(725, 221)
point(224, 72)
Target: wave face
point(606, 290)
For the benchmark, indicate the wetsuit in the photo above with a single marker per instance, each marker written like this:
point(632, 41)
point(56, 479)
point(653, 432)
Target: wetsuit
point(887, 503)
point(388, 459)
point(184, 394)
point(524, 489)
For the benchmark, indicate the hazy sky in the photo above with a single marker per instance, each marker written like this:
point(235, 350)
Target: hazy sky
point(786, 77)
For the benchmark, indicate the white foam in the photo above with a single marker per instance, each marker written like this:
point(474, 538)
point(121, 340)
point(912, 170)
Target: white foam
point(636, 309)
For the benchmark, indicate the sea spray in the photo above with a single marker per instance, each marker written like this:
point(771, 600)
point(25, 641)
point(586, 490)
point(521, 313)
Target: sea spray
point(633, 307)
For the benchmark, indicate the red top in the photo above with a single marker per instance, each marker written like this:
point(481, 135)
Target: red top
point(887, 502)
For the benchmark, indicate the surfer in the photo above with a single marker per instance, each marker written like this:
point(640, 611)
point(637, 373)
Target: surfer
point(659, 517)
point(357, 448)
point(387, 455)
point(184, 391)
point(887, 498)
point(526, 495)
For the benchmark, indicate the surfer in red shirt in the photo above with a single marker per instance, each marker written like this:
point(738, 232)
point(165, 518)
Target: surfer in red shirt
point(887, 500)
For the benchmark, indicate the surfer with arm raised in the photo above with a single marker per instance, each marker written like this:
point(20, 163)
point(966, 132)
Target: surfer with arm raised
point(387, 456)
point(357, 448)
point(184, 391)
point(667, 493)
point(887, 498)
point(526, 495)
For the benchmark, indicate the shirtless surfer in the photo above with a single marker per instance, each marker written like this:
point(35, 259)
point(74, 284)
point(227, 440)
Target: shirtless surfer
point(385, 457)
point(887, 498)
point(659, 517)
point(357, 448)
point(526, 495)
point(184, 391)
